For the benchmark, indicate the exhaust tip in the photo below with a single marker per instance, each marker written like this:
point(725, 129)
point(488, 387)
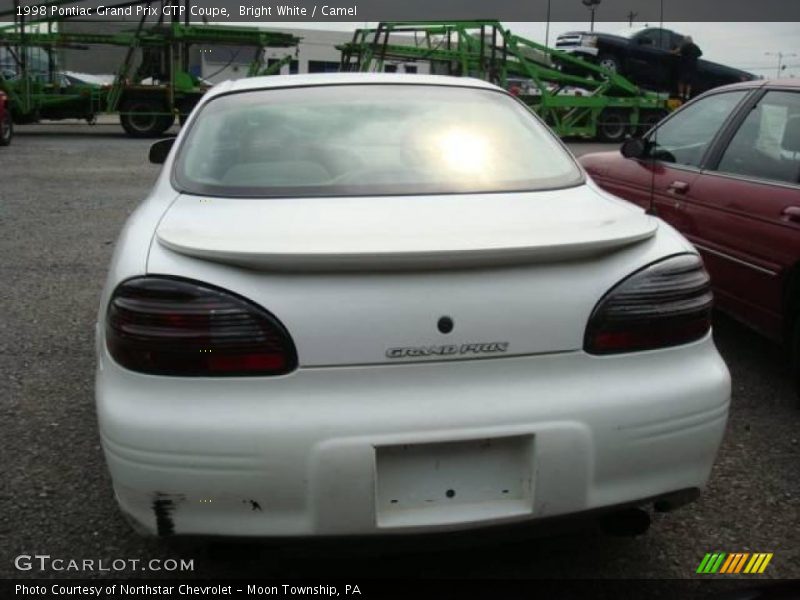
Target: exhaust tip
point(626, 523)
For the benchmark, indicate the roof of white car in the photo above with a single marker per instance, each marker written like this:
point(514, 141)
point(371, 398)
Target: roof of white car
point(280, 81)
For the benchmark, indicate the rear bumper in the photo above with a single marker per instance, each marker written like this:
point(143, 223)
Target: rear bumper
point(325, 451)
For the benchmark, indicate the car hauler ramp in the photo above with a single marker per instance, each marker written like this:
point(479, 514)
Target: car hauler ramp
point(575, 97)
point(152, 84)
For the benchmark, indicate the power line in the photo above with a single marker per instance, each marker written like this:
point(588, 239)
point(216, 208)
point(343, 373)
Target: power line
point(770, 68)
point(780, 56)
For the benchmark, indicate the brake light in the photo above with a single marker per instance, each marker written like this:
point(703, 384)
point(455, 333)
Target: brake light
point(168, 326)
point(665, 304)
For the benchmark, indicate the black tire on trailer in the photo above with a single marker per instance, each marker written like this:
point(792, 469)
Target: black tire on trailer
point(184, 110)
point(138, 120)
point(613, 126)
point(6, 129)
point(650, 119)
point(183, 115)
point(609, 62)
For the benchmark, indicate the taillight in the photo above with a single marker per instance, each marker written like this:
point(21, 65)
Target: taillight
point(167, 326)
point(665, 304)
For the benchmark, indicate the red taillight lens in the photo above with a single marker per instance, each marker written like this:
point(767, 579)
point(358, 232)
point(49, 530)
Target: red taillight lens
point(665, 304)
point(167, 326)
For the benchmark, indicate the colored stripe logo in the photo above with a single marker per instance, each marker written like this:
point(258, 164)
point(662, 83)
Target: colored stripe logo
point(735, 562)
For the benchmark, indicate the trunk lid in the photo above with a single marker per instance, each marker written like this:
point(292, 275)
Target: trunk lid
point(367, 280)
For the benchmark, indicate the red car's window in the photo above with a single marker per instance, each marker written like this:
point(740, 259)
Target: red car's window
point(684, 138)
point(767, 144)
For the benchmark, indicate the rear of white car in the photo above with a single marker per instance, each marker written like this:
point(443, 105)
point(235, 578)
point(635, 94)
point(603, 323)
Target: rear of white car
point(376, 305)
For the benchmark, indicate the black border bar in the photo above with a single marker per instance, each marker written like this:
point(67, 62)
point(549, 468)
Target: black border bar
point(652, 11)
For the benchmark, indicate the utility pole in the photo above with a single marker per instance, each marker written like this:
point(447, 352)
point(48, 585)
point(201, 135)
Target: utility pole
point(780, 56)
point(592, 6)
point(547, 31)
point(631, 16)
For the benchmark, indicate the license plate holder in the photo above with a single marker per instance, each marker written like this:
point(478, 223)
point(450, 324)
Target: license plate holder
point(454, 482)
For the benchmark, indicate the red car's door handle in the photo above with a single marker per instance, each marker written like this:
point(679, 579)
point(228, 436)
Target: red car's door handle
point(678, 187)
point(791, 213)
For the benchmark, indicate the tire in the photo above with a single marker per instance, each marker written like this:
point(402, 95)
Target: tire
point(6, 130)
point(184, 116)
point(185, 109)
point(649, 120)
point(610, 62)
point(613, 126)
point(137, 123)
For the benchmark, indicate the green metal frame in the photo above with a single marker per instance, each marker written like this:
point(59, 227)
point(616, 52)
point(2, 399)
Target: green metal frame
point(29, 97)
point(572, 95)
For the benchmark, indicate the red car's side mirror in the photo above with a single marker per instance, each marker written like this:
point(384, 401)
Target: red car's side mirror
point(634, 148)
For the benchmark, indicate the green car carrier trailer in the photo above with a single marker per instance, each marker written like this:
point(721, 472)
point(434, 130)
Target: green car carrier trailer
point(575, 97)
point(152, 85)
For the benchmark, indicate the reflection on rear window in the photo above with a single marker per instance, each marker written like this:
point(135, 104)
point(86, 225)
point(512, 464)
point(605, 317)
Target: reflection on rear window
point(361, 140)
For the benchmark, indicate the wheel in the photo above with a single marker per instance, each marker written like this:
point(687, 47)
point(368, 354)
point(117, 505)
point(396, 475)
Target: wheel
point(6, 130)
point(649, 120)
point(183, 116)
point(610, 63)
point(138, 120)
point(185, 109)
point(613, 126)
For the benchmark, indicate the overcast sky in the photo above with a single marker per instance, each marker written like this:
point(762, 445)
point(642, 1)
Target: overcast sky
point(741, 45)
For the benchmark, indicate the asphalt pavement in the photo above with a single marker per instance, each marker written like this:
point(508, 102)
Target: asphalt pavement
point(65, 191)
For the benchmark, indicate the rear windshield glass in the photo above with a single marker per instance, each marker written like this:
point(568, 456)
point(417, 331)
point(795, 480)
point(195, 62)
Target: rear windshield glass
point(364, 140)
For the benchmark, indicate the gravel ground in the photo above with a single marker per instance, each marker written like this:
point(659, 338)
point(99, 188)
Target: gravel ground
point(65, 193)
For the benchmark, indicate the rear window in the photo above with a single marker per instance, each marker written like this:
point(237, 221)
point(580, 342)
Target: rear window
point(364, 140)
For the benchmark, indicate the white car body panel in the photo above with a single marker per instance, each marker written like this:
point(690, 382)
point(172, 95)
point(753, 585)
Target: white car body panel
point(352, 318)
point(302, 446)
point(320, 451)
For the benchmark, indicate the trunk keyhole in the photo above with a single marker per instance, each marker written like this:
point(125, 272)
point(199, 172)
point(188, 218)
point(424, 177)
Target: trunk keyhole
point(445, 324)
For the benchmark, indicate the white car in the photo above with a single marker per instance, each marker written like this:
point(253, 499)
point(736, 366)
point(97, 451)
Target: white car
point(384, 304)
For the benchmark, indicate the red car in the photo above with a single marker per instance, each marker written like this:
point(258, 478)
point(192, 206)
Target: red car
point(6, 126)
point(725, 171)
